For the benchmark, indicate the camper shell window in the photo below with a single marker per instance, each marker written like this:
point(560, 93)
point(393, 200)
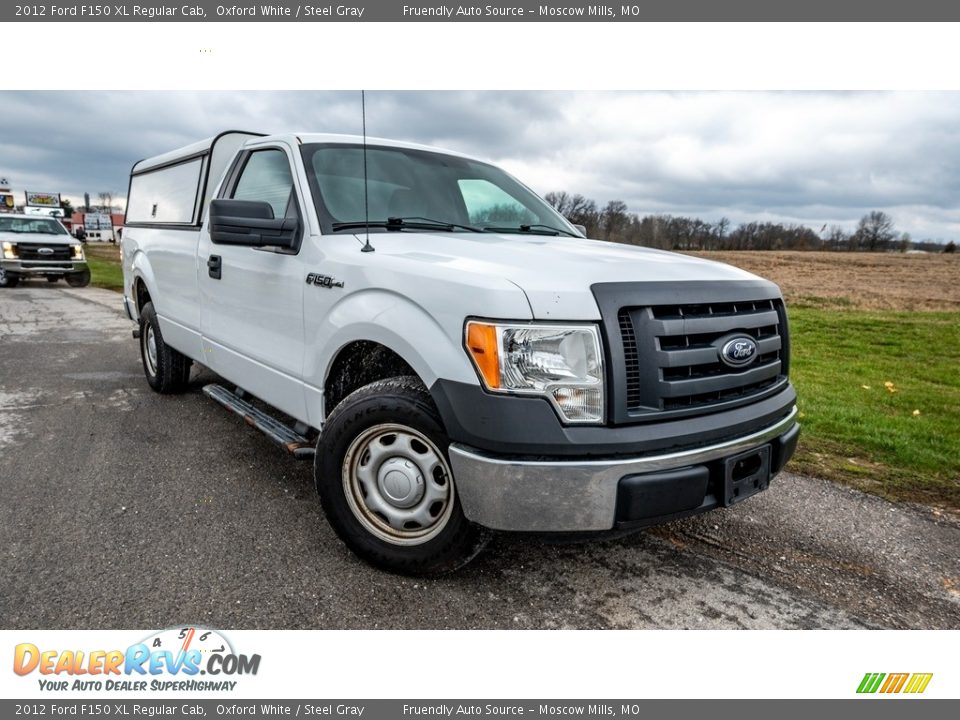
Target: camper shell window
point(166, 195)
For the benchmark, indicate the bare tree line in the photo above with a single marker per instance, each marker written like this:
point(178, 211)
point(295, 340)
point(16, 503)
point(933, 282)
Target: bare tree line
point(876, 231)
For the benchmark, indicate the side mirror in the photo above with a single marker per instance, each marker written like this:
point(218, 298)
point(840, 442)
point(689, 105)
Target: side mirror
point(582, 229)
point(250, 223)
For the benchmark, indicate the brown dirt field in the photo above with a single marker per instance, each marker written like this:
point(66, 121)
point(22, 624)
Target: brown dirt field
point(866, 281)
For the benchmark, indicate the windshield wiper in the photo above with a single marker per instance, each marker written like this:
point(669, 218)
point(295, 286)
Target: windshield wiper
point(534, 229)
point(413, 222)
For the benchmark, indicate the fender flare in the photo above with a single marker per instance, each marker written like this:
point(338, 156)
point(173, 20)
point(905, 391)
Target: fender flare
point(141, 270)
point(394, 321)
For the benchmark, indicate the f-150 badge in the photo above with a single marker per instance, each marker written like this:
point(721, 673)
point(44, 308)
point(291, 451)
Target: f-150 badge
point(324, 281)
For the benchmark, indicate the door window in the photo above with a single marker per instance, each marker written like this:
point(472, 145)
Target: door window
point(266, 177)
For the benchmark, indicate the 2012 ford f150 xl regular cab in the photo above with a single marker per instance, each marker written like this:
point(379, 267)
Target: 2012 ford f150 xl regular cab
point(452, 354)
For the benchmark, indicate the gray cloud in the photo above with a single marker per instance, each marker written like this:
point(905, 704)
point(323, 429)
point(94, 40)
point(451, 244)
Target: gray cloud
point(816, 158)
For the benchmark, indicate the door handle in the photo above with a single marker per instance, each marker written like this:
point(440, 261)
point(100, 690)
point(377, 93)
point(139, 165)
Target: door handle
point(214, 266)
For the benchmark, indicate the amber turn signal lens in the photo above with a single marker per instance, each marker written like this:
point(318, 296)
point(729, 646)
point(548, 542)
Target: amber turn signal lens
point(482, 344)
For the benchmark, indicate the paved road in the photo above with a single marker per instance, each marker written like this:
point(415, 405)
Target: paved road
point(122, 508)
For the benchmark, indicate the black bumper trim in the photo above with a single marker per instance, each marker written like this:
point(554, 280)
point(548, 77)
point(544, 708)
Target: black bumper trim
point(656, 498)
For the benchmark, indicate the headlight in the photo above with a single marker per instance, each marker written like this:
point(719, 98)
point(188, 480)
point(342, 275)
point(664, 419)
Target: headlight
point(77, 252)
point(9, 251)
point(563, 363)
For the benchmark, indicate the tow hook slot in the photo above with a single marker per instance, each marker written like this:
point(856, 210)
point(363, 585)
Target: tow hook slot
point(746, 474)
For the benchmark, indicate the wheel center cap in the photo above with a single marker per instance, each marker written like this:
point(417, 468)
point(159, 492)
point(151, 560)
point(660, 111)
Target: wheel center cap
point(400, 482)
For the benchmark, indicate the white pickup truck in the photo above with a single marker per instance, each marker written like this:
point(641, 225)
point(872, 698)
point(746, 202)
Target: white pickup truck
point(451, 353)
point(39, 246)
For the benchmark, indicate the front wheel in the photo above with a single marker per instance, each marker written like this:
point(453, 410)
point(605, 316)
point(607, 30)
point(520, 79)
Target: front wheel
point(79, 279)
point(8, 279)
point(385, 482)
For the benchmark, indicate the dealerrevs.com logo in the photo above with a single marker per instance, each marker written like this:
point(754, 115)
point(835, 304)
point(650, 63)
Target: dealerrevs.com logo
point(892, 683)
point(172, 659)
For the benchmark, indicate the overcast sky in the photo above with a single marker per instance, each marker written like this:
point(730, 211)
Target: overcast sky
point(812, 158)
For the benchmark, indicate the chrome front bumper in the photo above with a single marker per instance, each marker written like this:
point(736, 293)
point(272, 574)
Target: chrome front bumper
point(571, 495)
point(26, 268)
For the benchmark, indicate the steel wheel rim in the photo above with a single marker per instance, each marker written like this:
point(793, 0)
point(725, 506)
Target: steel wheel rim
point(398, 484)
point(150, 349)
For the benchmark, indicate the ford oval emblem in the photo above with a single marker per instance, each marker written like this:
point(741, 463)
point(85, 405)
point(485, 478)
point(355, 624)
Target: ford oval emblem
point(739, 351)
point(45, 251)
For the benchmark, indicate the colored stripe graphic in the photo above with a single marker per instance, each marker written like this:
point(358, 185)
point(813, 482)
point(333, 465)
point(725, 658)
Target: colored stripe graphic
point(870, 683)
point(918, 682)
point(894, 683)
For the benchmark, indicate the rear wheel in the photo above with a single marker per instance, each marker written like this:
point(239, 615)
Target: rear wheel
point(8, 279)
point(386, 485)
point(79, 279)
point(167, 370)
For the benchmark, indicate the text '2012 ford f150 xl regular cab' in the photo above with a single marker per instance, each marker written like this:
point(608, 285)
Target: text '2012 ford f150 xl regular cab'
point(453, 355)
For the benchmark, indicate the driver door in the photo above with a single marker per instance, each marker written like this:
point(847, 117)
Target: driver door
point(252, 298)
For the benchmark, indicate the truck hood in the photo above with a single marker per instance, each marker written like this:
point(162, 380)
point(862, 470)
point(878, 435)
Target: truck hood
point(37, 238)
point(556, 273)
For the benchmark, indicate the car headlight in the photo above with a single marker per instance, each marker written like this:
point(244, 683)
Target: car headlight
point(77, 252)
point(9, 251)
point(563, 363)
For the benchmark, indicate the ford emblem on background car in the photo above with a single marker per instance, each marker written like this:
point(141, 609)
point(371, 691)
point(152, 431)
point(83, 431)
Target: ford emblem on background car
point(739, 351)
point(45, 251)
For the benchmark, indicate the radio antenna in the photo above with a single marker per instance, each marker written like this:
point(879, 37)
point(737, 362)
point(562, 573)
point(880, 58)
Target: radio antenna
point(367, 247)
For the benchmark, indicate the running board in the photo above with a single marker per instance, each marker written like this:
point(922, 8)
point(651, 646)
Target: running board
point(293, 442)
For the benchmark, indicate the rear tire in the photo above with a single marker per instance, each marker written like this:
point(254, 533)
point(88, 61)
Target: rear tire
point(167, 370)
point(79, 279)
point(385, 483)
point(8, 279)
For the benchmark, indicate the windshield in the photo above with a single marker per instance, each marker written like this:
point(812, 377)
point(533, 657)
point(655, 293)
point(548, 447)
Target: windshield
point(426, 190)
point(31, 225)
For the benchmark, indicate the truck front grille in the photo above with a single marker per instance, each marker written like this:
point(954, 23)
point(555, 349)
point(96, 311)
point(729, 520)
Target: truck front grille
point(672, 358)
point(631, 358)
point(31, 251)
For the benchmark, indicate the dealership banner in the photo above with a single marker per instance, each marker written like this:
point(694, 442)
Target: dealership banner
point(513, 11)
point(42, 199)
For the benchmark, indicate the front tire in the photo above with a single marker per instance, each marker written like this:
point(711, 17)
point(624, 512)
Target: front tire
point(385, 481)
point(79, 279)
point(8, 279)
point(167, 370)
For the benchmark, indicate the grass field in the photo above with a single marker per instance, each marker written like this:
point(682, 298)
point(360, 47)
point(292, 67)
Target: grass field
point(104, 262)
point(859, 321)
